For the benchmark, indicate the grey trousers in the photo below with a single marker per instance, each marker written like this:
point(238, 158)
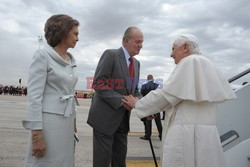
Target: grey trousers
point(110, 149)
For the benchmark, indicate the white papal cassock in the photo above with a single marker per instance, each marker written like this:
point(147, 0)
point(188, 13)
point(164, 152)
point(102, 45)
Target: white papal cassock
point(190, 97)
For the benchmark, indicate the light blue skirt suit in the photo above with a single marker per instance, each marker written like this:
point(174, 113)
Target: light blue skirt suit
point(51, 107)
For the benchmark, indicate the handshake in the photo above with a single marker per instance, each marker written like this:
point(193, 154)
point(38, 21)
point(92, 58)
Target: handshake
point(129, 102)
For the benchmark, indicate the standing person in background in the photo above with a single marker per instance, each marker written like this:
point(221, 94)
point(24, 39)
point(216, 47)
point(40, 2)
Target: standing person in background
point(25, 91)
point(190, 98)
point(116, 75)
point(145, 89)
point(163, 115)
point(51, 100)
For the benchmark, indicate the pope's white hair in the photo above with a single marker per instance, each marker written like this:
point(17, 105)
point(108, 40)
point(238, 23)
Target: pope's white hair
point(189, 39)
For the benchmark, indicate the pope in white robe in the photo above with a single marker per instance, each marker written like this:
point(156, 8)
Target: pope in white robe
point(190, 98)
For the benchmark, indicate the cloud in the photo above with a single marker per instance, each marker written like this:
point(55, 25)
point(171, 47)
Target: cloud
point(222, 27)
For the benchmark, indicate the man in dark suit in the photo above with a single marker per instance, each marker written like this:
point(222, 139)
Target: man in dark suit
point(116, 76)
point(145, 89)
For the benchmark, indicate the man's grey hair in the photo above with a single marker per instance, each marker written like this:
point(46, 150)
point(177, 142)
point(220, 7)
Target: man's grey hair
point(128, 33)
point(189, 39)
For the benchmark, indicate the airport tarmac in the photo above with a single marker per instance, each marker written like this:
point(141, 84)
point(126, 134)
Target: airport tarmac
point(14, 138)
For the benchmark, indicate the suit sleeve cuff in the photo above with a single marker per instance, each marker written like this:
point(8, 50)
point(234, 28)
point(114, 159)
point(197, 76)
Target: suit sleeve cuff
point(32, 125)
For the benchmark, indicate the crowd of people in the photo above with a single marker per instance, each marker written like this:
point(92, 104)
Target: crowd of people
point(12, 90)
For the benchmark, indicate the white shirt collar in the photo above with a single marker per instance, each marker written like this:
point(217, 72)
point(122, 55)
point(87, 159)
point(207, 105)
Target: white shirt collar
point(127, 56)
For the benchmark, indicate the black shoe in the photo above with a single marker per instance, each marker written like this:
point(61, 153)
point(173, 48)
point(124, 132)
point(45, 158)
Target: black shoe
point(144, 138)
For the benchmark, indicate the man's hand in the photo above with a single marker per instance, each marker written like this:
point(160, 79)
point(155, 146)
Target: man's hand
point(130, 101)
point(126, 106)
point(38, 143)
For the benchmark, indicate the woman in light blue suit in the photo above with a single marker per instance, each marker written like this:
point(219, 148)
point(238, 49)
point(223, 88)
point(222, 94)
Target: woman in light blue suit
point(51, 101)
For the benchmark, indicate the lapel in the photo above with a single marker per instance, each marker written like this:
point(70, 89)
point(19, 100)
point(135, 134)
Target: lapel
point(135, 81)
point(125, 70)
point(124, 66)
point(55, 56)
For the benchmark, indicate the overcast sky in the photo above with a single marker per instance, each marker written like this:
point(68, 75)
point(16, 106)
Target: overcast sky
point(222, 26)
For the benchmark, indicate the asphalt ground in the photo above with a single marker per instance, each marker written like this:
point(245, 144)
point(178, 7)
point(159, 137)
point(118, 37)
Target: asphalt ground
point(14, 138)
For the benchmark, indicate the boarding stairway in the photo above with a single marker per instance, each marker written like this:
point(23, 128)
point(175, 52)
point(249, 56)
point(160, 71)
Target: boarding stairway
point(233, 122)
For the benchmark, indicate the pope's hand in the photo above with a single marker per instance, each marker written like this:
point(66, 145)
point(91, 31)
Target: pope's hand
point(151, 117)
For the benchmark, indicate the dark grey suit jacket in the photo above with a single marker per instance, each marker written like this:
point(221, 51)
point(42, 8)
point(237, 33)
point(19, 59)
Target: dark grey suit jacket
point(111, 82)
